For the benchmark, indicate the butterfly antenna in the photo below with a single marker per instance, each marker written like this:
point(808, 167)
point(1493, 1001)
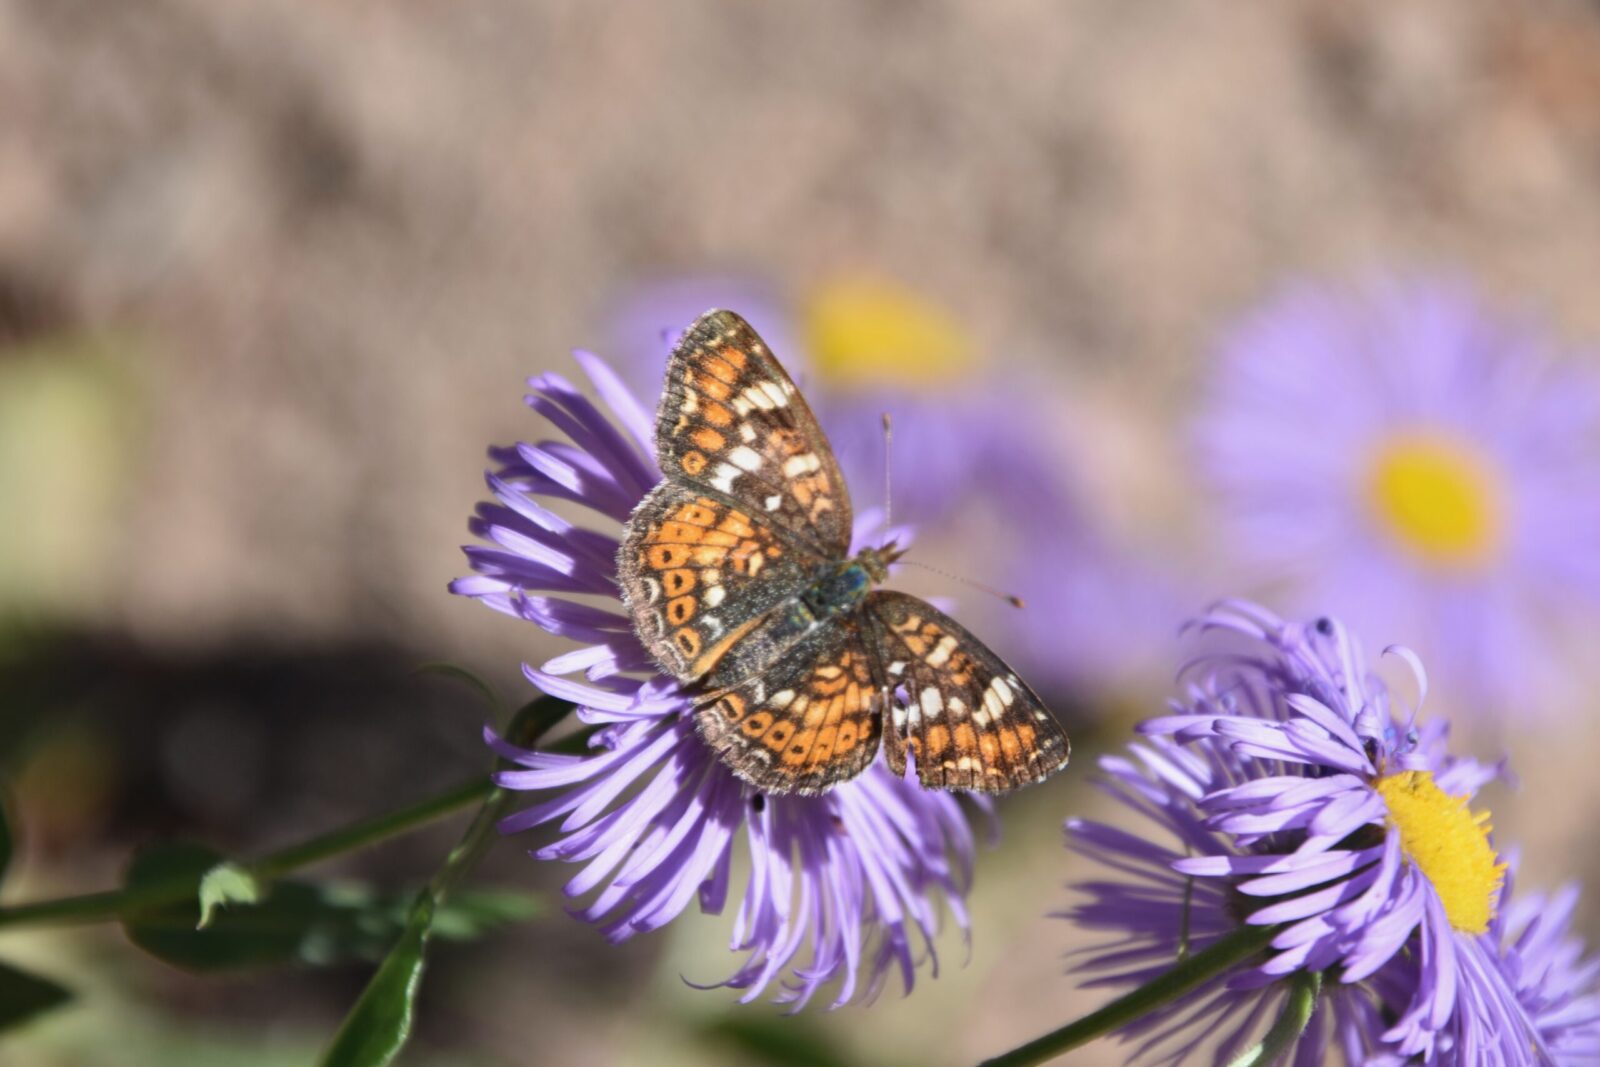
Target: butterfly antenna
point(1009, 598)
point(888, 467)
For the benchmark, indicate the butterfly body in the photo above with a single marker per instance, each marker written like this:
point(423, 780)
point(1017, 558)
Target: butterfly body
point(737, 574)
point(844, 588)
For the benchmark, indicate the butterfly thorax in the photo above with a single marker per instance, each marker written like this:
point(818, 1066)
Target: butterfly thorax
point(840, 588)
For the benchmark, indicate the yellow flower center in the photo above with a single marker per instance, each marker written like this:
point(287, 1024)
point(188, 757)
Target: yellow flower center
point(1449, 844)
point(865, 332)
point(1439, 498)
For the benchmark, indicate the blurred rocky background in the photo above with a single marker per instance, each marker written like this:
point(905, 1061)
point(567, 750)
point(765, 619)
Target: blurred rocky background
point(271, 274)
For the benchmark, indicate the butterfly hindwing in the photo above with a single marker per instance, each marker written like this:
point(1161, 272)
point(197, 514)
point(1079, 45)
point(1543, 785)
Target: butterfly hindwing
point(732, 423)
point(735, 574)
point(968, 720)
point(810, 721)
point(698, 576)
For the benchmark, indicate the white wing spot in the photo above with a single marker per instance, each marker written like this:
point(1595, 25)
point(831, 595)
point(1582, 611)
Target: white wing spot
point(958, 708)
point(747, 432)
point(897, 668)
point(745, 458)
point(712, 624)
point(774, 502)
point(941, 652)
point(991, 703)
point(1006, 695)
point(795, 466)
point(723, 478)
point(775, 393)
point(714, 596)
point(755, 397)
point(782, 699)
point(932, 703)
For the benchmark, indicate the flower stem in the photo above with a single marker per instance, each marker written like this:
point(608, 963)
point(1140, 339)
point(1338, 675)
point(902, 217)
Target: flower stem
point(1291, 1023)
point(1184, 976)
point(371, 831)
point(101, 907)
point(113, 904)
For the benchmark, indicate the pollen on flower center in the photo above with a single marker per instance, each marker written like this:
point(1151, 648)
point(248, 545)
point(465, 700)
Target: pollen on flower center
point(1448, 843)
point(863, 332)
point(1439, 498)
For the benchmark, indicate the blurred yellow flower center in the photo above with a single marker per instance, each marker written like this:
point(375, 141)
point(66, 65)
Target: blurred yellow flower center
point(1448, 843)
point(863, 332)
point(1439, 498)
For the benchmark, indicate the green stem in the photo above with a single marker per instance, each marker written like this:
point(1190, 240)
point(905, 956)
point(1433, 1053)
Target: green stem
point(1184, 976)
point(113, 904)
point(96, 907)
point(1291, 1023)
point(102, 907)
point(392, 824)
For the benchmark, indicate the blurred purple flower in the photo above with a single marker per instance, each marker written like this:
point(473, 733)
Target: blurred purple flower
point(1296, 799)
point(852, 350)
point(842, 887)
point(1547, 974)
point(966, 444)
point(1408, 461)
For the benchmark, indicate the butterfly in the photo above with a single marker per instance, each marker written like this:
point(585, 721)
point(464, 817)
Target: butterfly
point(736, 572)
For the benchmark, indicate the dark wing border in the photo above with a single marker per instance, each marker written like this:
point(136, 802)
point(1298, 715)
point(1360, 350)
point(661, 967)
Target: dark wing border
point(969, 720)
point(699, 351)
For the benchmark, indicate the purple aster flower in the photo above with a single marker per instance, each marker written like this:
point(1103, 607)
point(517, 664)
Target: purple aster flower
point(1406, 460)
point(1545, 974)
point(1151, 917)
point(1353, 832)
point(1294, 798)
point(842, 888)
point(967, 444)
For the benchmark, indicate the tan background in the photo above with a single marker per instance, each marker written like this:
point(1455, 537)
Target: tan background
point(271, 274)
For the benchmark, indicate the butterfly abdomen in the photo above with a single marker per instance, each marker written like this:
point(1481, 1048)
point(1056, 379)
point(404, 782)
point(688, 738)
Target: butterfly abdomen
point(833, 590)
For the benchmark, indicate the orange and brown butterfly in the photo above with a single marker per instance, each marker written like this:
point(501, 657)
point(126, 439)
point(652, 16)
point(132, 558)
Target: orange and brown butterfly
point(736, 572)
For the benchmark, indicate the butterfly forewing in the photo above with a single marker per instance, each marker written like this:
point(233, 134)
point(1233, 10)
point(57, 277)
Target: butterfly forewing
point(699, 575)
point(967, 719)
point(734, 572)
point(732, 423)
point(809, 722)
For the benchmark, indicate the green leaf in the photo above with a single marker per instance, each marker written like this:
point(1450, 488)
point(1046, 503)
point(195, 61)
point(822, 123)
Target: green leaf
point(224, 884)
point(379, 1025)
point(24, 996)
point(471, 914)
point(290, 923)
